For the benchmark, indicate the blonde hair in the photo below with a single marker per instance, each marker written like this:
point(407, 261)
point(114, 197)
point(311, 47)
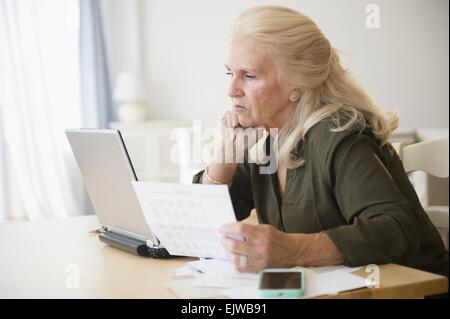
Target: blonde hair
point(306, 61)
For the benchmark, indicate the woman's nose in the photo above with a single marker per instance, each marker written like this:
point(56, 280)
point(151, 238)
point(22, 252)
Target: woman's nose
point(235, 89)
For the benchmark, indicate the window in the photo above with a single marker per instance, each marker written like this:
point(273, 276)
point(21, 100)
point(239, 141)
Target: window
point(39, 98)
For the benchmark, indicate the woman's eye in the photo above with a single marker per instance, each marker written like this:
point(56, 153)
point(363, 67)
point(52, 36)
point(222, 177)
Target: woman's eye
point(247, 76)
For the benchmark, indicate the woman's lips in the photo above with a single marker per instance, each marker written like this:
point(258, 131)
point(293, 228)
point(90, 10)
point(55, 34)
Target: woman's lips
point(239, 108)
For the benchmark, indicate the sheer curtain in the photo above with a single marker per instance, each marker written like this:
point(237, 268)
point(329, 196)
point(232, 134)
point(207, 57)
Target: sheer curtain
point(3, 203)
point(95, 81)
point(39, 98)
point(96, 102)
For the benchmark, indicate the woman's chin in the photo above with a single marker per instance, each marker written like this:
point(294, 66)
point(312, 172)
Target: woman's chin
point(246, 122)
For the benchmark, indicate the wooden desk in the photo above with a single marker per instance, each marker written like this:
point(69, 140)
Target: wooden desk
point(37, 258)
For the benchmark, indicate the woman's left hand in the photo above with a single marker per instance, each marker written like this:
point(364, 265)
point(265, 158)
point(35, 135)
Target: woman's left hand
point(263, 246)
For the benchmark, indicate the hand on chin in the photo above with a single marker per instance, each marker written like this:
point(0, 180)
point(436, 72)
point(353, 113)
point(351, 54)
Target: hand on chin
point(246, 122)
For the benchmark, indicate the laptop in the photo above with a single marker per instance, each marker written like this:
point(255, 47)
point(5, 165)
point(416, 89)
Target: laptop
point(107, 172)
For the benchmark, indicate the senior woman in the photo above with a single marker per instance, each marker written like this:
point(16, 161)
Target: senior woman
point(340, 194)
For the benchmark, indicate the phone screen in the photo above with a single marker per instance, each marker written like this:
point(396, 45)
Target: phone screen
point(281, 280)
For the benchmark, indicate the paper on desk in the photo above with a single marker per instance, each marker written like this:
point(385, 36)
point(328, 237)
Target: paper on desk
point(324, 269)
point(186, 270)
point(215, 273)
point(316, 284)
point(333, 282)
point(221, 274)
point(186, 218)
point(212, 266)
point(227, 281)
point(319, 280)
point(184, 289)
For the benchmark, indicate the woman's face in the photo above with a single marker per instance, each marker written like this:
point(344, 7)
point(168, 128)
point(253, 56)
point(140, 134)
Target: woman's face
point(255, 89)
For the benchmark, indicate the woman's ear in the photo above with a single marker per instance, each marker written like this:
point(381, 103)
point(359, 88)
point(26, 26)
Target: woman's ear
point(294, 96)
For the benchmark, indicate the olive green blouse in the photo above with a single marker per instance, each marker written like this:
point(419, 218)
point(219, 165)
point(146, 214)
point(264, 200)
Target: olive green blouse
point(353, 190)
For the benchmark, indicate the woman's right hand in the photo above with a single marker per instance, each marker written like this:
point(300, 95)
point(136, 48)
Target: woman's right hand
point(236, 139)
point(231, 148)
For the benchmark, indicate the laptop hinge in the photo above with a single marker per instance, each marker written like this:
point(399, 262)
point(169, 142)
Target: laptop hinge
point(150, 242)
point(127, 234)
point(133, 245)
point(124, 242)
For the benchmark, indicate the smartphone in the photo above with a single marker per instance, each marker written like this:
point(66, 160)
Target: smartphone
point(281, 283)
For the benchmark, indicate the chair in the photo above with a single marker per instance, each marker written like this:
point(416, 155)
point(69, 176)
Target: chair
point(431, 157)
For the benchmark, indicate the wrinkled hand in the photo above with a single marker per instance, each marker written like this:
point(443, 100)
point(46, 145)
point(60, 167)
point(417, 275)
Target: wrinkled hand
point(236, 139)
point(263, 245)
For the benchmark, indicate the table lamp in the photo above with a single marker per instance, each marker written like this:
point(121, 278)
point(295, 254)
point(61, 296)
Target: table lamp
point(130, 97)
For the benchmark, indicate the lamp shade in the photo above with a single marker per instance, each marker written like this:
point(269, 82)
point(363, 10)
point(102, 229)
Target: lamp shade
point(128, 88)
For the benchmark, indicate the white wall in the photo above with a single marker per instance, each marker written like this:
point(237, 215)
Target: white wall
point(123, 35)
point(403, 64)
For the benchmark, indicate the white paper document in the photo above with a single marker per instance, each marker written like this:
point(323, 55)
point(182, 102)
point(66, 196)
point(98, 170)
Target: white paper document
point(186, 218)
point(316, 284)
point(221, 275)
point(213, 267)
point(186, 290)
